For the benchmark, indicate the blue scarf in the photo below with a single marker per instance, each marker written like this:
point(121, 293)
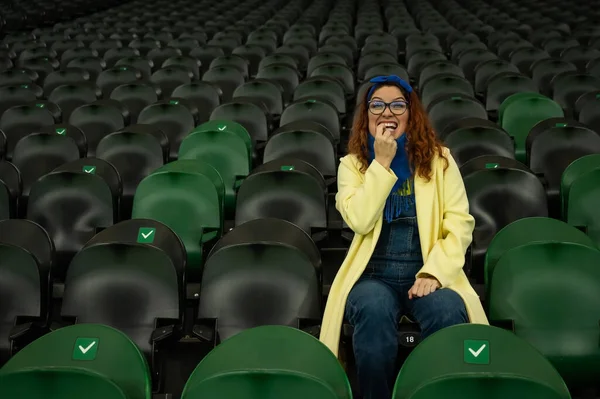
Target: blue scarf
point(401, 197)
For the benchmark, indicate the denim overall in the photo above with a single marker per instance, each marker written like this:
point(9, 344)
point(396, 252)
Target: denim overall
point(380, 298)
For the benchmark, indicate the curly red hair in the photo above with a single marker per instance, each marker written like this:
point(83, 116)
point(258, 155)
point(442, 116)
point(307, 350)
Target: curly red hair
point(422, 143)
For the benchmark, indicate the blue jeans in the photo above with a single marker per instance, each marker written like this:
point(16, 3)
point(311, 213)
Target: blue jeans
point(374, 308)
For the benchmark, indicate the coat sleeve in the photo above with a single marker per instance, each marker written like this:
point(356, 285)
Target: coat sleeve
point(447, 257)
point(361, 201)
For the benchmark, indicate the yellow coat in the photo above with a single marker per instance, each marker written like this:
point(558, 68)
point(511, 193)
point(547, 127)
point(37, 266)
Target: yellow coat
point(445, 229)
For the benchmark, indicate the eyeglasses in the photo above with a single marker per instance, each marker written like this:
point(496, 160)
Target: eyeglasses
point(377, 107)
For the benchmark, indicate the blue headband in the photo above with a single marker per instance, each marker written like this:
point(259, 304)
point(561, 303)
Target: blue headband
point(393, 79)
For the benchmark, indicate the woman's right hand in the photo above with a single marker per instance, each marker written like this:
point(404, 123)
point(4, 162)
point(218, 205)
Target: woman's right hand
point(385, 146)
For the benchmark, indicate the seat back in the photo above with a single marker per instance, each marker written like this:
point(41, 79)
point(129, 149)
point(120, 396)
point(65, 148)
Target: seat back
point(20, 292)
point(259, 384)
point(248, 285)
point(523, 114)
point(147, 232)
point(40, 153)
point(529, 230)
point(187, 203)
point(70, 207)
point(125, 286)
point(273, 351)
point(498, 197)
point(309, 146)
point(474, 358)
point(469, 143)
point(107, 353)
point(269, 230)
point(582, 204)
point(295, 196)
point(175, 120)
point(226, 152)
point(96, 121)
point(572, 173)
point(58, 384)
point(527, 289)
point(318, 111)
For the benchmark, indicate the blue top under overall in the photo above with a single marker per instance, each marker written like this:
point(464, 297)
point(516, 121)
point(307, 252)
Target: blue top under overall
point(399, 239)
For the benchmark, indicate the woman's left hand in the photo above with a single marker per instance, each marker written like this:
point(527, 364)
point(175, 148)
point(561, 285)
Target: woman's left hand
point(423, 286)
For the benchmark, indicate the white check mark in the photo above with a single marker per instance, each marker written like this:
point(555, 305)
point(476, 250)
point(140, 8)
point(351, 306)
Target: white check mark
point(147, 235)
point(476, 353)
point(85, 350)
point(222, 128)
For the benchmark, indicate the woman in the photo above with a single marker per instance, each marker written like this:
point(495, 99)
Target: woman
point(402, 194)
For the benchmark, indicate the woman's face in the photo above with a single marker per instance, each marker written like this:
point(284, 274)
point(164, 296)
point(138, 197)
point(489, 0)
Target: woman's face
point(395, 123)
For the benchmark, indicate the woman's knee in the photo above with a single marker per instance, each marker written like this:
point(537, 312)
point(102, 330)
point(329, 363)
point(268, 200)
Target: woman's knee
point(372, 301)
point(442, 308)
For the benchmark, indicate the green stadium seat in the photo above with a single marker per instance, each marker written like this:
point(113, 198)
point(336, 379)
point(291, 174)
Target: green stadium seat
point(548, 294)
point(577, 168)
point(523, 113)
point(582, 204)
point(269, 362)
point(186, 202)
point(201, 168)
point(84, 360)
point(515, 97)
point(477, 361)
point(530, 230)
point(226, 151)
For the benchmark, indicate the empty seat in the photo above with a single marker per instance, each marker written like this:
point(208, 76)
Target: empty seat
point(194, 197)
point(523, 111)
point(204, 95)
point(71, 207)
point(38, 154)
point(503, 85)
point(227, 148)
point(10, 177)
point(577, 168)
point(270, 368)
point(449, 108)
point(130, 287)
point(307, 145)
point(174, 119)
point(581, 210)
point(21, 295)
point(567, 87)
point(11, 96)
point(314, 110)
point(72, 96)
point(82, 357)
point(134, 96)
point(227, 78)
point(500, 191)
point(551, 146)
point(18, 122)
point(474, 359)
point(135, 156)
point(170, 77)
point(96, 121)
point(244, 285)
point(288, 189)
point(247, 114)
point(526, 231)
point(108, 80)
point(520, 298)
point(68, 76)
point(444, 84)
point(476, 137)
